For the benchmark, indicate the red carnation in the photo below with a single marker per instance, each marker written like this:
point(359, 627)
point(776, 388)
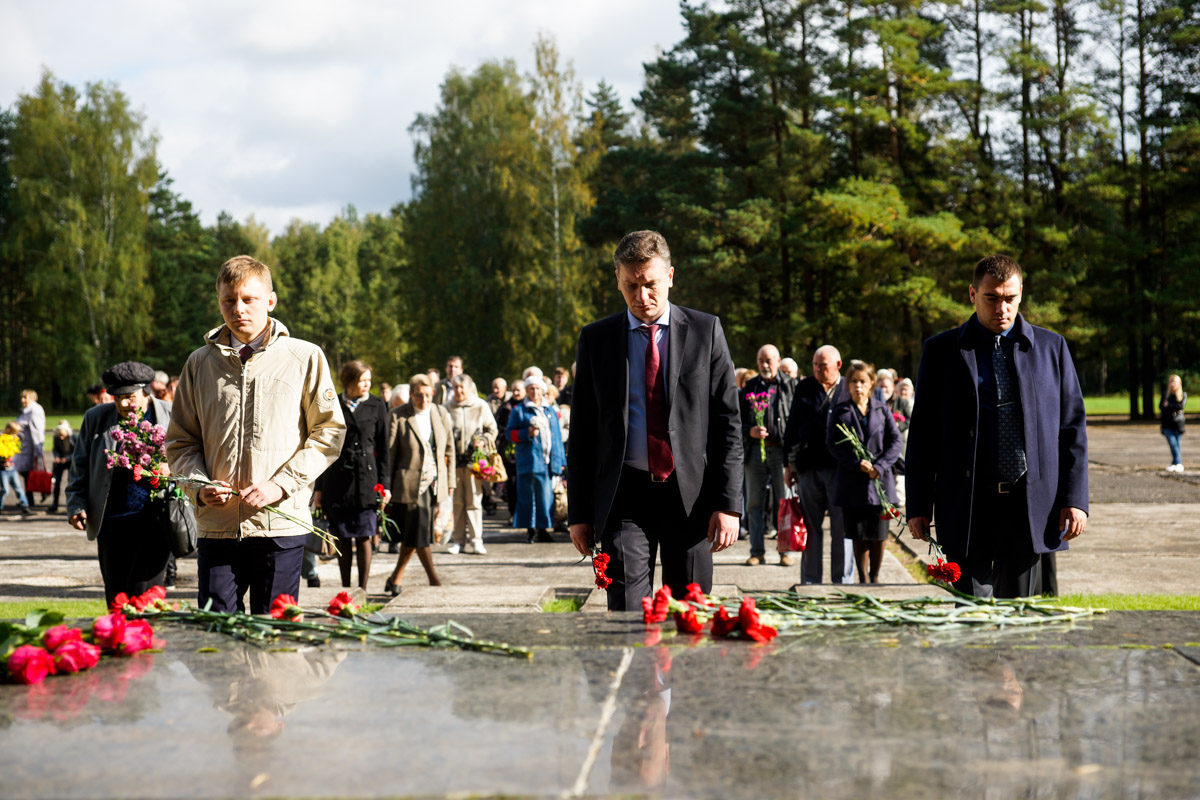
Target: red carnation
point(342, 606)
point(944, 570)
point(76, 655)
point(688, 622)
point(59, 635)
point(696, 595)
point(285, 607)
point(748, 621)
point(379, 488)
point(29, 664)
point(890, 513)
point(119, 602)
point(723, 624)
point(137, 472)
point(656, 610)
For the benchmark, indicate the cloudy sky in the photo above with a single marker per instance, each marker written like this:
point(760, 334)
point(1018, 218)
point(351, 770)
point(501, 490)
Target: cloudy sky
point(294, 109)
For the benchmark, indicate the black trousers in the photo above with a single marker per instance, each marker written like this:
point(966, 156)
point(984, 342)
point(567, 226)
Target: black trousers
point(1000, 561)
point(62, 473)
point(267, 566)
point(133, 554)
point(647, 518)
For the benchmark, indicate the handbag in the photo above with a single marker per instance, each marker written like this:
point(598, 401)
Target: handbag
point(177, 519)
point(793, 533)
point(317, 544)
point(39, 481)
point(560, 500)
point(499, 475)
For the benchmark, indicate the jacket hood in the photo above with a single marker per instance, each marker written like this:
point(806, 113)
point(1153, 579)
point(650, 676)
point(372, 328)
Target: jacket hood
point(217, 336)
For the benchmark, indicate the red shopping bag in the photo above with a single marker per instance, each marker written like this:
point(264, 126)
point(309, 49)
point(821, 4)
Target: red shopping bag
point(793, 534)
point(39, 481)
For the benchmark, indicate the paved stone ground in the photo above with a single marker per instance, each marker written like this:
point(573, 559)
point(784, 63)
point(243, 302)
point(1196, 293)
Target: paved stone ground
point(1143, 536)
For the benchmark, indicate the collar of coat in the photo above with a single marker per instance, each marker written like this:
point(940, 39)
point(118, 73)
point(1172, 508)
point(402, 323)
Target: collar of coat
point(1022, 333)
point(221, 334)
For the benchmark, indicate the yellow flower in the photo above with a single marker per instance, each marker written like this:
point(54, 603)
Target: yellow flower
point(9, 445)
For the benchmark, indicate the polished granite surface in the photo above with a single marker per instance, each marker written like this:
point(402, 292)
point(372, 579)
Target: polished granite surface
point(1110, 709)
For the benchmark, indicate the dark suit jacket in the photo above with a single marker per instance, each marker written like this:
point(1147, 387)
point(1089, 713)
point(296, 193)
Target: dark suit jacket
point(851, 486)
point(940, 465)
point(804, 438)
point(703, 422)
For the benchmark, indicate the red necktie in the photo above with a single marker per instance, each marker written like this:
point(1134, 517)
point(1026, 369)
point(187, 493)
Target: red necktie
point(245, 353)
point(658, 444)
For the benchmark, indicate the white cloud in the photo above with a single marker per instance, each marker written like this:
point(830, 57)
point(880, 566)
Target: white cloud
point(282, 109)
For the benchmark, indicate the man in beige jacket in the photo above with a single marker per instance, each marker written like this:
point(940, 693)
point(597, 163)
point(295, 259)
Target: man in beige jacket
point(256, 420)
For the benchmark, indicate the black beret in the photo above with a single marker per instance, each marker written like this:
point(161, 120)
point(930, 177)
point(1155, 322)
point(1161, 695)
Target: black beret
point(127, 377)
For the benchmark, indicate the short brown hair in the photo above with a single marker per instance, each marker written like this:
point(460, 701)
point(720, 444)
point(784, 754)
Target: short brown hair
point(240, 269)
point(420, 379)
point(351, 371)
point(641, 246)
point(1000, 267)
point(857, 366)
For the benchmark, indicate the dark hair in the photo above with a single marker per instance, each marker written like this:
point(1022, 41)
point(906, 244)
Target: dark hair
point(351, 371)
point(455, 358)
point(641, 246)
point(999, 266)
point(95, 390)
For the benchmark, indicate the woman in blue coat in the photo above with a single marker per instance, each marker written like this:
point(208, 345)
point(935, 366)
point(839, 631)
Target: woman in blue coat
point(540, 456)
point(854, 482)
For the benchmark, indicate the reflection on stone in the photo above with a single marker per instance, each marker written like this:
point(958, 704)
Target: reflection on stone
point(641, 754)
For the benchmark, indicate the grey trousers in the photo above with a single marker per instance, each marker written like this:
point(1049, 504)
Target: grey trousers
point(816, 490)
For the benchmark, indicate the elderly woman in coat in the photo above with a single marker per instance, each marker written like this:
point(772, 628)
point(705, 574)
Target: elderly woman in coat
point(474, 426)
point(540, 456)
point(421, 454)
point(32, 455)
point(854, 487)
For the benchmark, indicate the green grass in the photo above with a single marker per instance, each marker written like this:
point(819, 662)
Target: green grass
point(71, 609)
point(563, 605)
point(1119, 404)
point(1132, 602)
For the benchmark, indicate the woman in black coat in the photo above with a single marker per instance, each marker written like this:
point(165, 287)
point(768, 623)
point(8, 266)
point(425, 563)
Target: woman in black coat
point(854, 487)
point(346, 491)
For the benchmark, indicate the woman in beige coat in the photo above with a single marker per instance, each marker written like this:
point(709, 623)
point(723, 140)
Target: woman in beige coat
point(473, 425)
point(421, 453)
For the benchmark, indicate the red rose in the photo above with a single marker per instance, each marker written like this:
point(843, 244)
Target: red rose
point(109, 631)
point(688, 622)
point(76, 655)
point(59, 635)
point(285, 607)
point(139, 636)
point(342, 606)
point(723, 624)
point(29, 664)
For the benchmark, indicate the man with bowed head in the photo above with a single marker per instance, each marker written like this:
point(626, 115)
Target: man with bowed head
point(997, 446)
point(656, 450)
point(255, 412)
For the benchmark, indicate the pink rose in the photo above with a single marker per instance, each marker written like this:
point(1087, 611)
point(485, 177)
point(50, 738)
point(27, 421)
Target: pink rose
point(139, 636)
point(109, 631)
point(29, 664)
point(59, 635)
point(76, 655)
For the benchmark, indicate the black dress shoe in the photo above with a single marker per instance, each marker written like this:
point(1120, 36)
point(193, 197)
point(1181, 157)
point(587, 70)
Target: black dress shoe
point(543, 535)
point(391, 588)
point(314, 583)
point(529, 535)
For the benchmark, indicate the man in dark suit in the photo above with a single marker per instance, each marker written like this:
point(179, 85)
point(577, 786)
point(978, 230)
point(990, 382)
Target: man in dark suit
point(997, 446)
point(656, 449)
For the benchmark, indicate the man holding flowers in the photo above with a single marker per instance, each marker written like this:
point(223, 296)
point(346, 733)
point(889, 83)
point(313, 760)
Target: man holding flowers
point(113, 502)
point(256, 422)
point(766, 402)
point(997, 446)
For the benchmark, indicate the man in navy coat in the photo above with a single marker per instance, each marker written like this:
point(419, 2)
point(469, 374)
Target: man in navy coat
point(997, 445)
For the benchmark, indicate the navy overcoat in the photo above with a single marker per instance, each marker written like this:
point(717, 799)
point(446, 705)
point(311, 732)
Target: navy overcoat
point(851, 486)
point(943, 442)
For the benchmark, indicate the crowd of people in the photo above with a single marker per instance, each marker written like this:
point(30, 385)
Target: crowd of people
point(707, 457)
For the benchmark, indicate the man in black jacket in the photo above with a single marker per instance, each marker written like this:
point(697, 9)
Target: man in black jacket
point(656, 452)
point(813, 466)
point(764, 454)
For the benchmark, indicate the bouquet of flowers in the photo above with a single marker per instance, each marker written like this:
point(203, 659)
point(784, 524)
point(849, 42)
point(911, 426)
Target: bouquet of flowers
point(141, 447)
point(480, 467)
point(759, 403)
point(10, 445)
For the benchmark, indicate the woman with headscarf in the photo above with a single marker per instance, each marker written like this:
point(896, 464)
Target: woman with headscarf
point(420, 451)
point(540, 456)
point(473, 425)
point(346, 490)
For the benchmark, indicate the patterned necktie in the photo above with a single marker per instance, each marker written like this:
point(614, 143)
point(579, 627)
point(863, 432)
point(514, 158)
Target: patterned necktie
point(1009, 425)
point(245, 353)
point(658, 444)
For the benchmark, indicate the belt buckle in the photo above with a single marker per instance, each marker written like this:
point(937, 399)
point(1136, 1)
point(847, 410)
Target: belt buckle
point(1004, 487)
point(658, 480)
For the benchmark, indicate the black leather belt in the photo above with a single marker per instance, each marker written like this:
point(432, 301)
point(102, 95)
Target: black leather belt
point(1008, 487)
point(643, 475)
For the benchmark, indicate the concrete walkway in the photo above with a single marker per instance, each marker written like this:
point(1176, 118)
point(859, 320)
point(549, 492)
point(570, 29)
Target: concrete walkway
point(1143, 536)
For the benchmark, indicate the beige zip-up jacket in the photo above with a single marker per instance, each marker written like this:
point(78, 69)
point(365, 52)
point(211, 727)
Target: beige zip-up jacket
point(276, 418)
